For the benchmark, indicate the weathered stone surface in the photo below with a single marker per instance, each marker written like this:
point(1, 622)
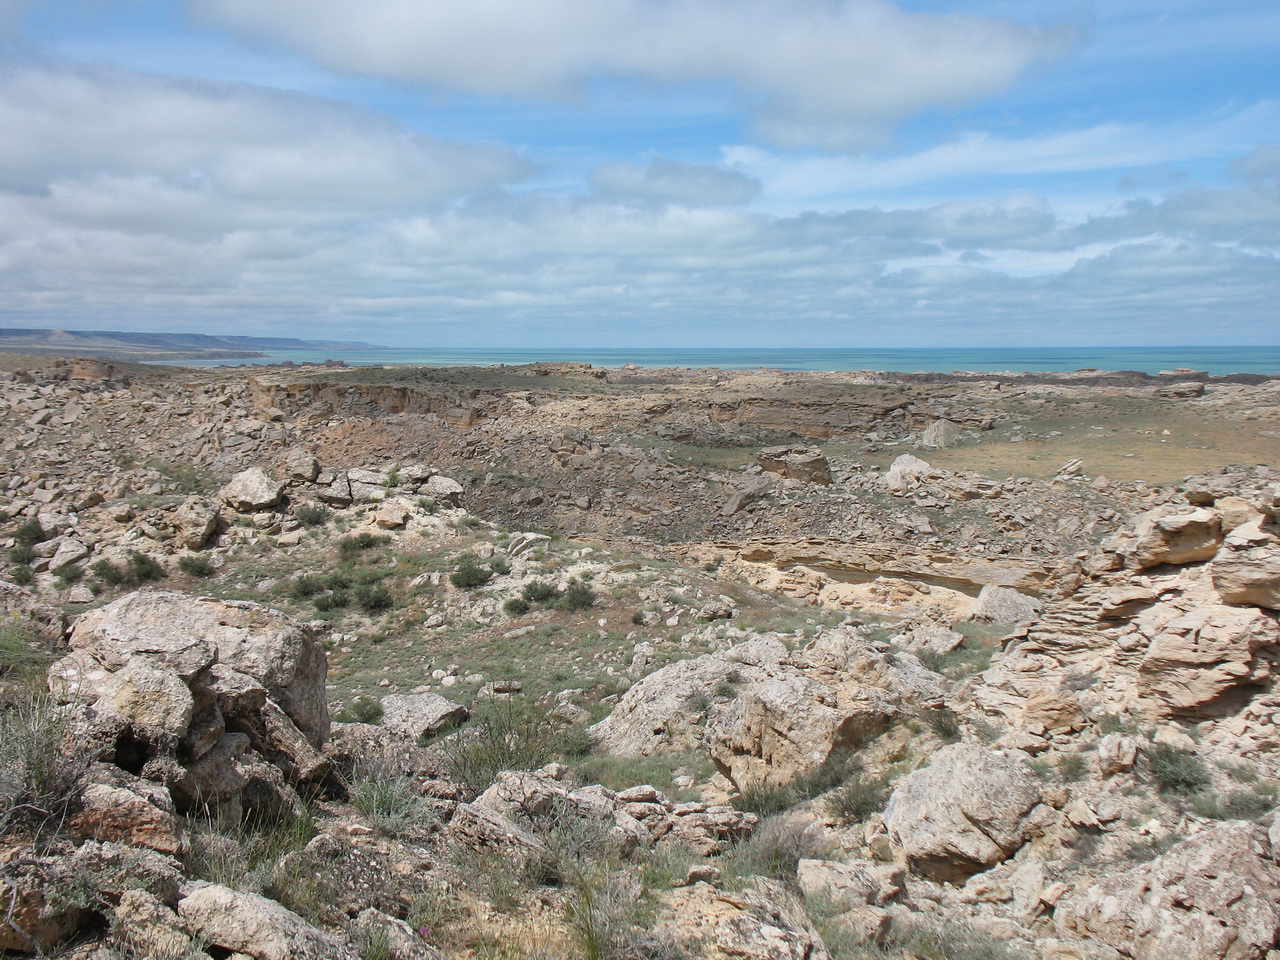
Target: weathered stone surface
point(195, 522)
point(251, 490)
point(416, 714)
point(763, 922)
point(796, 463)
point(1161, 536)
point(150, 698)
point(31, 918)
point(968, 810)
point(446, 491)
point(852, 884)
point(1214, 896)
point(1003, 605)
point(1198, 660)
point(1247, 568)
point(117, 806)
point(939, 434)
point(146, 926)
point(255, 926)
point(906, 473)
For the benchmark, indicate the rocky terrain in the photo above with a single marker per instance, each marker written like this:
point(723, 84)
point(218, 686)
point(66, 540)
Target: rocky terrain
point(552, 661)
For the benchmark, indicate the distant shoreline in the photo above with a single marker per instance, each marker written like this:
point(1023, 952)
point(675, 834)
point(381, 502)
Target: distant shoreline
point(1152, 361)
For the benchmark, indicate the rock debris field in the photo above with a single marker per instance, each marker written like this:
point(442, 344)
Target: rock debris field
point(553, 661)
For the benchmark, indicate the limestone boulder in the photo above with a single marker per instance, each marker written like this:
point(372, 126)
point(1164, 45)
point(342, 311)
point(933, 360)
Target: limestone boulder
point(790, 724)
point(764, 921)
point(1247, 568)
point(939, 435)
point(194, 522)
point(906, 473)
point(418, 714)
point(1214, 896)
point(808, 464)
point(248, 924)
point(251, 490)
point(1004, 605)
point(117, 807)
point(970, 809)
point(657, 714)
point(1172, 535)
point(1201, 660)
point(446, 491)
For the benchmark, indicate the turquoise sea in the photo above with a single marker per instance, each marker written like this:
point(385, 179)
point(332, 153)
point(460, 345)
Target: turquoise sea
point(1212, 360)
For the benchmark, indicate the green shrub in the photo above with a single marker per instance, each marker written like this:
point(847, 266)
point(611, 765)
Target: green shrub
point(146, 569)
point(373, 598)
point(538, 591)
point(502, 735)
point(469, 574)
point(515, 607)
point(22, 653)
point(22, 576)
point(70, 573)
point(1176, 770)
point(22, 554)
point(37, 778)
point(427, 504)
point(768, 799)
point(111, 574)
point(1072, 767)
point(30, 532)
point(775, 850)
point(311, 514)
point(500, 566)
point(1236, 805)
point(360, 710)
point(944, 724)
point(637, 618)
point(389, 797)
point(351, 547)
point(578, 596)
point(337, 600)
point(194, 565)
point(858, 798)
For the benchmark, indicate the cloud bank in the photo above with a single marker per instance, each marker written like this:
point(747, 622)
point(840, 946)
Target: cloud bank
point(830, 73)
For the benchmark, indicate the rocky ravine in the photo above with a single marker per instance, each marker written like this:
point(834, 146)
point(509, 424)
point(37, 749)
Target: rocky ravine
point(1038, 722)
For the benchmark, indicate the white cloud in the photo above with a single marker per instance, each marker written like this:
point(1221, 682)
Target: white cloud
point(666, 181)
point(130, 201)
point(830, 73)
point(795, 182)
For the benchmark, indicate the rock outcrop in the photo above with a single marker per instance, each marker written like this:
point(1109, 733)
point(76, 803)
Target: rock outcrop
point(967, 811)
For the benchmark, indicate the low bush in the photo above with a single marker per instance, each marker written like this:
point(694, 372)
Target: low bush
point(69, 573)
point(29, 532)
point(139, 568)
point(351, 547)
point(1236, 805)
point(515, 607)
point(194, 565)
point(775, 849)
point(389, 797)
point(373, 598)
point(944, 724)
point(22, 554)
point(537, 591)
point(311, 514)
point(469, 574)
point(577, 596)
point(244, 856)
point(858, 798)
point(502, 735)
point(360, 710)
point(1176, 770)
point(22, 575)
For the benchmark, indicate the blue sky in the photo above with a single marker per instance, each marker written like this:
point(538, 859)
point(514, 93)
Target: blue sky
point(644, 172)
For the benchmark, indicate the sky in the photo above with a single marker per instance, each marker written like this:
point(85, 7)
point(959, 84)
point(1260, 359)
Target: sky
point(645, 173)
